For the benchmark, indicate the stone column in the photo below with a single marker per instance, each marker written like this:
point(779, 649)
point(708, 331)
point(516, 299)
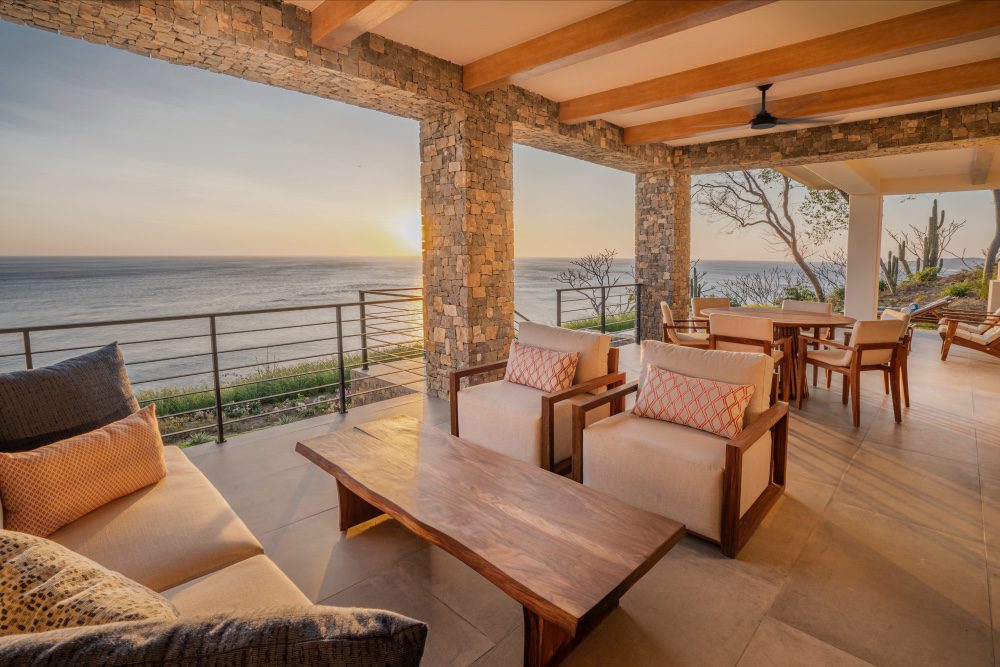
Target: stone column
point(662, 245)
point(864, 239)
point(468, 241)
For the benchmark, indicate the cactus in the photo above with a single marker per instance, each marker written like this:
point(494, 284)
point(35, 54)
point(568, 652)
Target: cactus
point(901, 257)
point(697, 281)
point(932, 241)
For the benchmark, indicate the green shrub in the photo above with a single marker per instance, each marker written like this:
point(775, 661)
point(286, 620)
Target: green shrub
point(198, 438)
point(798, 293)
point(964, 288)
point(612, 323)
point(928, 274)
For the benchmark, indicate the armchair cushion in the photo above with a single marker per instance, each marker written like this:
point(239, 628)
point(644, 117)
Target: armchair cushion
point(706, 405)
point(507, 418)
point(670, 469)
point(593, 348)
point(537, 367)
point(733, 367)
point(739, 326)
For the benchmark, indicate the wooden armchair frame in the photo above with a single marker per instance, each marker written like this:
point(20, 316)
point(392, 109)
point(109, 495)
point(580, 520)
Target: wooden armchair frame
point(613, 379)
point(852, 372)
point(950, 338)
point(905, 347)
point(690, 325)
point(736, 530)
point(786, 368)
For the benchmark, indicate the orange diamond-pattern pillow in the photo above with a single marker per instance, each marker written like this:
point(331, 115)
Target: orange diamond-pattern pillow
point(44, 489)
point(707, 405)
point(543, 369)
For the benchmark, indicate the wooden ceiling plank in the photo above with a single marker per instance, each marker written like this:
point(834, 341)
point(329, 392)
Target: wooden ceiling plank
point(913, 33)
point(937, 84)
point(337, 23)
point(618, 28)
point(982, 160)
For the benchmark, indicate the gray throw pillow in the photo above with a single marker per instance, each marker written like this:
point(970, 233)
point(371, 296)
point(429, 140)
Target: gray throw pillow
point(311, 637)
point(45, 405)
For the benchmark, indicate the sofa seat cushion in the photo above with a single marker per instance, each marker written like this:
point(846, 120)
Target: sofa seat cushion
point(832, 356)
point(164, 535)
point(507, 418)
point(254, 583)
point(311, 637)
point(45, 586)
point(669, 469)
point(693, 337)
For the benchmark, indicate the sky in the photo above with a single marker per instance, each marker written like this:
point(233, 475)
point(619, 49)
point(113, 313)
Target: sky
point(104, 152)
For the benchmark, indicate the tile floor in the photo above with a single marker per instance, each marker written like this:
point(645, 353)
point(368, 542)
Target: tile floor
point(885, 548)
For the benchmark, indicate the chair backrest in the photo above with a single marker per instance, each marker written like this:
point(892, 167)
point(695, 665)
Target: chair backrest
point(700, 303)
point(668, 319)
point(732, 367)
point(593, 347)
point(901, 315)
point(739, 326)
point(807, 306)
point(877, 331)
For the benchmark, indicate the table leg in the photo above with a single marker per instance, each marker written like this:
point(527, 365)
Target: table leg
point(545, 643)
point(353, 508)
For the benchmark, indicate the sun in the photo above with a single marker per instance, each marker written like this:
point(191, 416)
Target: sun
point(407, 234)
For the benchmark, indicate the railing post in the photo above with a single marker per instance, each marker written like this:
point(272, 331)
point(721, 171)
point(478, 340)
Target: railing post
point(220, 435)
point(364, 331)
point(558, 307)
point(638, 311)
point(604, 301)
point(342, 386)
point(27, 349)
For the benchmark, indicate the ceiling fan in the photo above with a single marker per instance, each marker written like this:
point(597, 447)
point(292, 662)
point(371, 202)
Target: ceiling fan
point(765, 120)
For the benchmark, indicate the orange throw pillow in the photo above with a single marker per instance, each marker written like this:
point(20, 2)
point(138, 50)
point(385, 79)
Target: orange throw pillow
point(707, 405)
point(44, 489)
point(543, 369)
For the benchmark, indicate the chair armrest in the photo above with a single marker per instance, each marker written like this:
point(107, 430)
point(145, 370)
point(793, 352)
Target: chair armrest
point(616, 396)
point(455, 385)
point(759, 426)
point(824, 341)
point(610, 380)
point(479, 369)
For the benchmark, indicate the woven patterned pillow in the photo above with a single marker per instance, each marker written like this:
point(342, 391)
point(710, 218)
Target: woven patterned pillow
point(45, 586)
point(707, 405)
point(537, 367)
point(49, 487)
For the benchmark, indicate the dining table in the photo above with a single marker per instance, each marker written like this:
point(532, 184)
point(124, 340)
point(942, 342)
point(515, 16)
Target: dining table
point(790, 323)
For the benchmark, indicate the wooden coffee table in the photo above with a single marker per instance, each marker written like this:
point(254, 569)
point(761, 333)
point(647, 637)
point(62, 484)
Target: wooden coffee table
point(565, 552)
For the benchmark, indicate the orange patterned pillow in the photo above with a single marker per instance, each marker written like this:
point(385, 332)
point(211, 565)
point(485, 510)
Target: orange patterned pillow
point(543, 369)
point(44, 489)
point(707, 405)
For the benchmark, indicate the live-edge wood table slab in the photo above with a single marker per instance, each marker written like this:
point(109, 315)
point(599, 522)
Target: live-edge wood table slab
point(565, 552)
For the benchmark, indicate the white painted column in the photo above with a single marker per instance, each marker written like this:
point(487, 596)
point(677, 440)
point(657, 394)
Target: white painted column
point(864, 245)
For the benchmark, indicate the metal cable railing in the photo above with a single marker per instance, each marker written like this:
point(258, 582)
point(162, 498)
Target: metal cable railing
point(357, 351)
point(609, 309)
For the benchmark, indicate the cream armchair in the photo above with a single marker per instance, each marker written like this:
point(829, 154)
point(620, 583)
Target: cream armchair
point(720, 489)
point(527, 423)
point(691, 337)
point(905, 346)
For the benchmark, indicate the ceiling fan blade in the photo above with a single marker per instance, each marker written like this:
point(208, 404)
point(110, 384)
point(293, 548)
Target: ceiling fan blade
point(809, 121)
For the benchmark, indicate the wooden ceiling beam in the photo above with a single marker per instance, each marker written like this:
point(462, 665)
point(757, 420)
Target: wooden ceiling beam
point(337, 23)
point(618, 28)
point(930, 29)
point(982, 160)
point(937, 84)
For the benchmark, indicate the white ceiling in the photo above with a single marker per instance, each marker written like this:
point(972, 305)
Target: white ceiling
point(462, 31)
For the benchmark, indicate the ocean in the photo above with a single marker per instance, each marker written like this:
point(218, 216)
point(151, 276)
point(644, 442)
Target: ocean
point(53, 290)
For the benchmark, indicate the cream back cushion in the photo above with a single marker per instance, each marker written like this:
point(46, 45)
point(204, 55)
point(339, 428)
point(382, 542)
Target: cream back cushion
point(876, 331)
point(738, 326)
point(668, 319)
point(807, 306)
point(593, 348)
point(731, 367)
point(902, 316)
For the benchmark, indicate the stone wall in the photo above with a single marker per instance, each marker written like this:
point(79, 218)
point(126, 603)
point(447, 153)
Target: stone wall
point(662, 245)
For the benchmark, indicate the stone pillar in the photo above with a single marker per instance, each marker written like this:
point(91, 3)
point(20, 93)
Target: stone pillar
point(864, 241)
point(468, 241)
point(662, 245)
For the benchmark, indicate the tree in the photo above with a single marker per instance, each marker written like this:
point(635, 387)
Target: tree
point(990, 265)
point(765, 199)
point(595, 270)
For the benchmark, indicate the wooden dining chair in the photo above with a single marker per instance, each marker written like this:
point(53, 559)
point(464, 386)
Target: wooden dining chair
point(737, 333)
point(875, 347)
point(906, 345)
point(690, 337)
point(700, 303)
point(821, 307)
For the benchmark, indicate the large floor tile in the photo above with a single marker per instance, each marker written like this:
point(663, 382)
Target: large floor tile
point(323, 561)
point(693, 608)
point(819, 451)
point(930, 430)
point(508, 653)
point(890, 592)
point(775, 643)
point(919, 488)
point(451, 640)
